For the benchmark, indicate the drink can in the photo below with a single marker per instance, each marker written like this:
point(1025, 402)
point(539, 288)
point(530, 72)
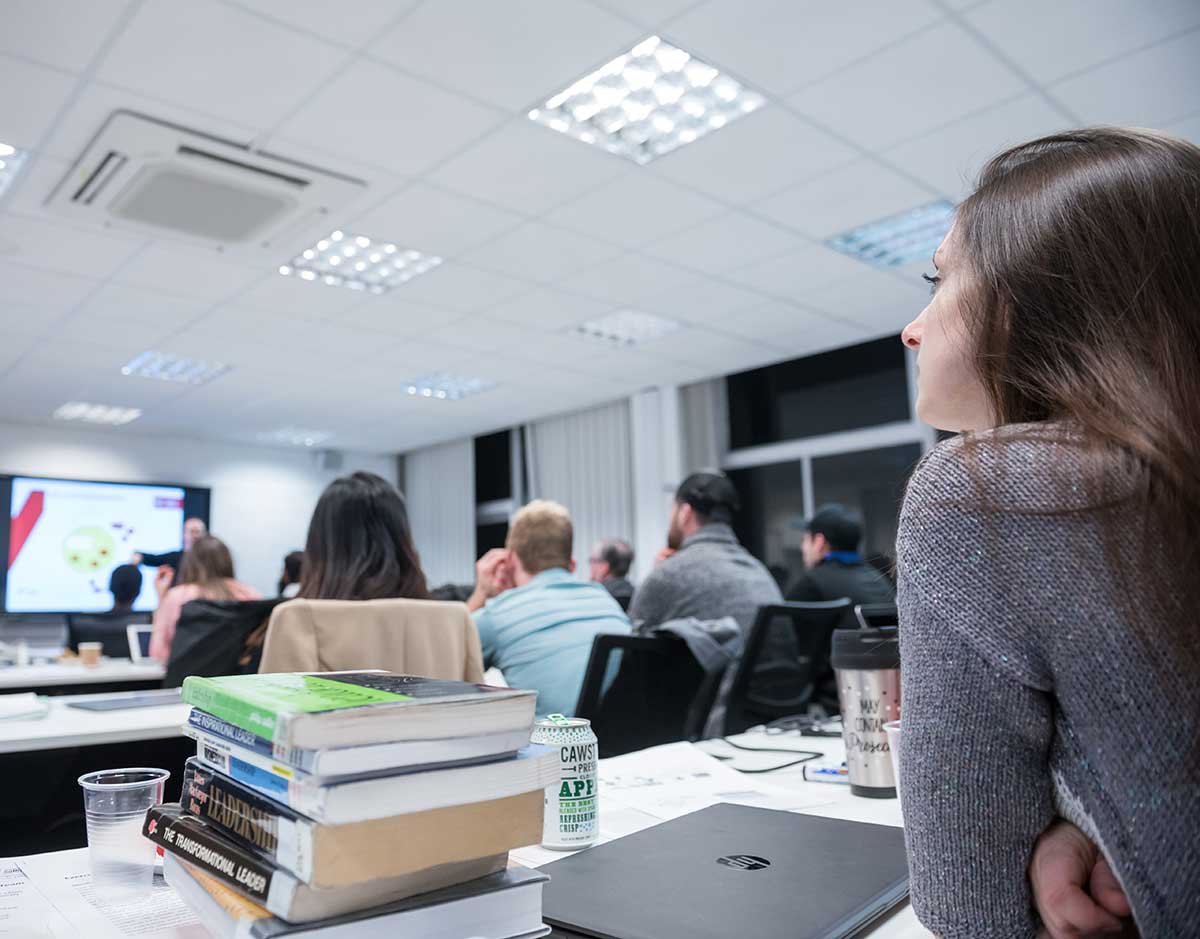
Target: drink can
point(570, 820)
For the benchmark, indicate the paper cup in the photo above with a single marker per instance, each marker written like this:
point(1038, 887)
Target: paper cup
point(892, 729)
point(89, 653)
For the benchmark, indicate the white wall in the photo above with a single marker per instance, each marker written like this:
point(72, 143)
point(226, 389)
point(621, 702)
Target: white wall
point(262, 498)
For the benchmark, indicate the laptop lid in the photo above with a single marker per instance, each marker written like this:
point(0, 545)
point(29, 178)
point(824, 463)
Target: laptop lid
point(730, 870)
point(139, 642)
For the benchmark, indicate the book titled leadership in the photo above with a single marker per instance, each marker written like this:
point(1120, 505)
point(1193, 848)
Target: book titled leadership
point(350, 709)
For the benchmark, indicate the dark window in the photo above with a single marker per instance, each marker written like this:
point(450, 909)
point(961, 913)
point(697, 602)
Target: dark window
point(858, 386)
point(771, 522)
point(493, 467)
point(489, 536)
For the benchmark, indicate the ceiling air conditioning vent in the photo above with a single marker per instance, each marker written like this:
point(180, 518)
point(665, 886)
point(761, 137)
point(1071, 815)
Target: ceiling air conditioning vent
point(160, 179)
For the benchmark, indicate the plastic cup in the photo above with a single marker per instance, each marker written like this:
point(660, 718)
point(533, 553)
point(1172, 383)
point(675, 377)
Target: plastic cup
point(89, 653)
point(115, 803)
point(892, 729)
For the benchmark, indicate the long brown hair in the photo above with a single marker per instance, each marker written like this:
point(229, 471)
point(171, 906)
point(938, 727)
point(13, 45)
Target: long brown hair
point(360, 544)
point(209, 565)
point(1084, 308)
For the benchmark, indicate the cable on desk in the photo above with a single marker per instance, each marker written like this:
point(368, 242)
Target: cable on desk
point(805, 756)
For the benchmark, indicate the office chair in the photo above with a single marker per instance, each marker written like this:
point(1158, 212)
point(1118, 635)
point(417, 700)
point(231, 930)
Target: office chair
point(106, 628)
point(653, 697)
point(876, 615)
point(210, 638)
point(785, 664)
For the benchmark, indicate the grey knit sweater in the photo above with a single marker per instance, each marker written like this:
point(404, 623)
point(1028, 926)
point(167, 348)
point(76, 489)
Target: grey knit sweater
point(1027, 693)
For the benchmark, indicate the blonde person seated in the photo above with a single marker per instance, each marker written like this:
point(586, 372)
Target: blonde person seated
point(205, 573)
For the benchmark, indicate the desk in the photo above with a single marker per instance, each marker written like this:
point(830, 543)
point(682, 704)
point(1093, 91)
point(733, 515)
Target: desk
point(71, 727)
point(110, 671)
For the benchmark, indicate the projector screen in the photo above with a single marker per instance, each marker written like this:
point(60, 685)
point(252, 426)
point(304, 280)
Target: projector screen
point(65, 537)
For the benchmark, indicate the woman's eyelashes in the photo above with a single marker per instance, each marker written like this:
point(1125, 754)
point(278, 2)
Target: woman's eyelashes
point(933, 280)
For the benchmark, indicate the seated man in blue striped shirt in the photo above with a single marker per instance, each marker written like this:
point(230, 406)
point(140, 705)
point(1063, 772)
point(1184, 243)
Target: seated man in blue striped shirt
point(536, 621)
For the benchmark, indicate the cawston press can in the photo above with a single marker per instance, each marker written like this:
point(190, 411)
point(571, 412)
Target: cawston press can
point(570, 820)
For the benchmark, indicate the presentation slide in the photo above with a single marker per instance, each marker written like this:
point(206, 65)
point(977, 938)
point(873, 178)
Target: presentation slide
point(65, 538)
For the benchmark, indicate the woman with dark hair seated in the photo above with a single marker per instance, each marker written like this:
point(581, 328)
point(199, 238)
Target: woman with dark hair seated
point(360, 545)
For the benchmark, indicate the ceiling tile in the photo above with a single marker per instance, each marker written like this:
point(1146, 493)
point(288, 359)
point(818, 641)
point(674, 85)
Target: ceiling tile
point(201, 275)
point(61, 33)
point(37, 180)
point(880, 302)
point(795, 274)
point(396, 317)
point(109, 331)
point(372, 112)
point(843, 199)
point(791, 329)
point(648, 13)
point(42, 290)
point(724, 243)
point(634, 210)
point(26, 117)
point(1071, 35)
point(703, 301)
point(539, 252)
point(906, 89)
point(434, 221)
point(264, 68)
point(21, 320)
point(548, 308)
point(117, 301)
point(528, 168)
point(780, 44)
point(754, 156)
point(1147, 89)
point(59, 246)
point(302, 298)
point(487, 337)
point(514, 55)
point(700, 346)
point(95, 105)
point(356, 29)
point(950, 158)
point(628, 280)
point(457, 286)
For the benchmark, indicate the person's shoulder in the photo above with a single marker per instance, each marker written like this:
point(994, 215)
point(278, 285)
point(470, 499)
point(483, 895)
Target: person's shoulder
point(243, 591)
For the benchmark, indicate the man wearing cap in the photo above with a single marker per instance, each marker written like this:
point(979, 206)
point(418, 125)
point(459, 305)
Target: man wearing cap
point(704, 572)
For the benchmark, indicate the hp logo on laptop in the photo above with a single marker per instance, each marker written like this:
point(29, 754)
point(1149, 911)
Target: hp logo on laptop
point(744, 862)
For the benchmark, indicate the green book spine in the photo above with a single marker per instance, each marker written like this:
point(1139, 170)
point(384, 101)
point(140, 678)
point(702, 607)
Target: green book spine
point(237, 708)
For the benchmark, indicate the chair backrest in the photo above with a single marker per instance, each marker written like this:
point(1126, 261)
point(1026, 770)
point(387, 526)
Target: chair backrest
point(412, 637)
point(784, 663)
point(210, 637)
point(651, 697)
point(876, 615)
point(105, 628)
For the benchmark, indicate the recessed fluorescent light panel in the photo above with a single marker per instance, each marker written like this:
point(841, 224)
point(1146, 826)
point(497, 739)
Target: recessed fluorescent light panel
point(11, 161)
point(295, 437)
point(649, 101)
point(108, 414)
point(167, 367)
point(899, 239)
point(626, 328)
point(359, 263)
point(447, 387)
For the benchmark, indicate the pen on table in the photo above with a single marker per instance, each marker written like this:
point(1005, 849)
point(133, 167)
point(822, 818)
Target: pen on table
point(827, 774)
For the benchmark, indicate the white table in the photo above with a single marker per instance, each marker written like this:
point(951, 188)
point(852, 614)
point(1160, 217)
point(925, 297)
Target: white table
point(76, 673)
point(71, 727)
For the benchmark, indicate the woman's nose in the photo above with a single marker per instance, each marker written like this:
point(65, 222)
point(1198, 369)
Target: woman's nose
point(911, 336)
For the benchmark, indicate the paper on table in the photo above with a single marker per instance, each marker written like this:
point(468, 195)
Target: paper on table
point(24, 911)
point(678, 778)
point(22, 706)
point(64, 879)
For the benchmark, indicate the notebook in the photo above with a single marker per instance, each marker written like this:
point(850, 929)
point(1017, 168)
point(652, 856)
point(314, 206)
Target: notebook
point(731, 870)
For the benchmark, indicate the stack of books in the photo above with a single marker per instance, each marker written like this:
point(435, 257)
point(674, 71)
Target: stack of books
point(357, 803)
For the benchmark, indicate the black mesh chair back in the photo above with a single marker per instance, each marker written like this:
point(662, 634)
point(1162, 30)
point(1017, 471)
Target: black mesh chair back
point(876, 615)
point(652, 697)
point(108, 629)
point(210, 638)
point(785, 663)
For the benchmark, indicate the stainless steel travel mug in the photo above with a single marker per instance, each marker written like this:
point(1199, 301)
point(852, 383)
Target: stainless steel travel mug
point(867, 665)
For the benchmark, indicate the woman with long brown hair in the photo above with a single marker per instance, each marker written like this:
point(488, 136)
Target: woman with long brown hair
point(205, 573)
point(1047, 555)
point(360, 544)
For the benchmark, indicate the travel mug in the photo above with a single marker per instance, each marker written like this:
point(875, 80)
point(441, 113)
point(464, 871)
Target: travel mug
point(867, 665)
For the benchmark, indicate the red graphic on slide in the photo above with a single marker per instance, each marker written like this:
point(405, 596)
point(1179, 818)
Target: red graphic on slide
point(23, 523)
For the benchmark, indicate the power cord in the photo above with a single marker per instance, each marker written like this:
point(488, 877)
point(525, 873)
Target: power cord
point(805, 757)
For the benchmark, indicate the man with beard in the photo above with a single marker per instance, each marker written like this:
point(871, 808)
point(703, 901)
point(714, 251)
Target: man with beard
point(704, 572)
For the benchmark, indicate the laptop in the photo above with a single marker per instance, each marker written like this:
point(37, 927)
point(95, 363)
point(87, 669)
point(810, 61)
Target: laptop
point(730, 870)
point(138, 635)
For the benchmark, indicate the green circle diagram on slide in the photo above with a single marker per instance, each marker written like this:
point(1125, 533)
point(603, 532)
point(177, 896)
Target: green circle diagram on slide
point(89, 549)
